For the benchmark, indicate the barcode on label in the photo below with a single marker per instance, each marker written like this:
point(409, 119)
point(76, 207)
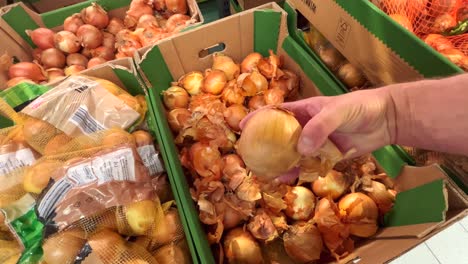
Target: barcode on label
point(81, 174)
point(85, 121)
point(118, 166)
point(14, 160)
point(151, 159)
point(53, 196)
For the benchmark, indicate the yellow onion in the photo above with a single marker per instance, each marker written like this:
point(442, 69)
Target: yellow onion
point(333, 185)
point(351, 76)
point(141, 216)
point(252, 83)
point(172, 254)
point(256, 102)
point(168, 229)
point(382, 197)
point(250, 62)
point(214, 82)
point(300, 203)
point(272, 133)
point(226, 64)
point(178, 118)
point(360, 212)
point(192, 82)
point(261, 226)
point(274, 96)
point(206, 160)
point(331, 57)
point(303, 242)
point(234, 115)
point(175, 97)
point(241, 247)
point(232, 94)
point(63, 247)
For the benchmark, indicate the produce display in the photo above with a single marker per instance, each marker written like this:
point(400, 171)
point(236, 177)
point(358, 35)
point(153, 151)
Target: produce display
point(92, 37)
point(443, 25)
point(249, 215)
point(78, 185)
point(351, 76)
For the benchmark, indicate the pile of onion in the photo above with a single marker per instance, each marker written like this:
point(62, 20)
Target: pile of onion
point(92, 37)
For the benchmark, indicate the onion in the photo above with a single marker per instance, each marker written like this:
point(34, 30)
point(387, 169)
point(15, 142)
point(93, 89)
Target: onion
point(274, 96)
point(351, 76)
point(192, 82)
point(103, 52)
point(262, 227)
point(270, 67)
point(37, 53)
point(74, 69)
point(241, 247)
point(232, 94)
point(272, 133)
point(115, 25)
point(169, 229)
point(95, 15)
point(232, 164)
point(178, 118)
point(54, 73)
point(176, 6)
point(462, 13)
point(128, 49)
point(382, 197)
point(333, 185)
point(206, 160)
point(159, 5)
point(455, 56)
point(303, 242)
point(147, 20)
point(87, 53)
point(331, 57)
point(360, 212)
point(28, 70)
point(300, 203)
point(250, 62)
point(149, 35)
point(72, 23)
point(232, 217)
point(438, 42)
point(175, 97)
point(234, 115)
point(17, 80)
point(226, 64)
point(176, 22)
point(214, 82)
point(393, 6)
point(95, 61)
point(289, 83)
point(53, 58)
point(139, 8)
point(443, 23)
point(63, 247)
point(43, 38)
point(171, 254)
point(108, 40)
point(403, 21)
point(252, 83)
point(67, 42)
point(256, 102)
point(439, 7)
point(77, 59)
point(90, 36)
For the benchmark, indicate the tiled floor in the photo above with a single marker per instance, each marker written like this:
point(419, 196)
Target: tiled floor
point(448, 247)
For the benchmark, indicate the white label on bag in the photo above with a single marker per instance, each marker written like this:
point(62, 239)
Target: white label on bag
point(53, 197)
point(118, 165)
point(82, 174)
point(82, 119)
point(13, 160)
point(151, 159)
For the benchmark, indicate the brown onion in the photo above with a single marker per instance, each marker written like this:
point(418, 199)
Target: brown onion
point(300, 203)
point(215, 81)
point(303, 242)
point(159, 5)
point(176, 22)
point(108, 40)
point(147, 20)
point(351, 76)
point(90, 36)
point(72, 23)
point(176, 97)
point(274, 96)
point(232, 94)
point(206, 160)
point(139, 8)
point(331, 57)
point(77, 59)
point(360, 212)
point(37, 52)
point(232, 164)
point(382, 197)
point(54, 73)
point(103, 52)
point(176, 6)
point(43, 38)
point(74, 69)
point(289, 83)
point(333, 185)
point(234, 115)
point(252, 83)
point(128, 49)
point(95, 15)
point(178, 118)
point(261, 226)
point(115, 25)
point(192, 82)
point(225, 64)
point(149, 35)
point(95, 61)
point(67, 42)
point(28, 70)
point(87, 53)
point(241, 247)
point(17, 80)
point(53, 58)
point(256, 102)
point(250, 62)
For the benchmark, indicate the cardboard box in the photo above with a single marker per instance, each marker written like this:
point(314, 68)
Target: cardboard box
point(17, 18)
point(428, 199)
point(43, 6)
point(371, 40)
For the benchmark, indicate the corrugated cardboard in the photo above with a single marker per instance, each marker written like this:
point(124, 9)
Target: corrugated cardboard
point(428, 200)
point(16, 18)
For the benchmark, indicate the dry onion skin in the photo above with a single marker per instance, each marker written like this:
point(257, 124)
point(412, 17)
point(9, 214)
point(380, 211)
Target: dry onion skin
point(360, 212)
point(241, 247)
point(303, 242)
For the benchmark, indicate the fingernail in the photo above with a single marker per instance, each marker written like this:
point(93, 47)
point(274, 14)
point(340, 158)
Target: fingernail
point(305, 146)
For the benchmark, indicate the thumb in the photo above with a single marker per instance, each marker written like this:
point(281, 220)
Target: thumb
point(316, 131)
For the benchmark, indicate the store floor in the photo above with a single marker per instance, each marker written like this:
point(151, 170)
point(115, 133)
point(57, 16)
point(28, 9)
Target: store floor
point(448, 247)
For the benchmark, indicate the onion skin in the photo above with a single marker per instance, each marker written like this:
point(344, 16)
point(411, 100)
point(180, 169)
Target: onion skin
point(147, 20)
point(273, 133)
point(274, 96)
point(139, 8)
point(175, 97)
point(77, 59)
point(300, 203)
point(250, 62)
point(176, 6)
point(53, 58)
point(206, 160)
point(43, 38)
point(303, 242)
point(17, 80)
point(192, 82)
point(176, 22)
point(108, 40)
point(178, 118)
point(241, 247)
point(232, 94)
point(234, 115)
point(90, 36)
point(74, 69)
point(256, 102)
point(382, 197)
point(67, 42)
point(37, 52)
point(96, 61)
point(226, 64)
point(115, 25)
point(103, 52)
point(333, 185)
point(28, 70)
point(72, 23)
point(95, 15)
point(55, 73)
point(361, 213)
point(252, 83)
point(214, 82)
